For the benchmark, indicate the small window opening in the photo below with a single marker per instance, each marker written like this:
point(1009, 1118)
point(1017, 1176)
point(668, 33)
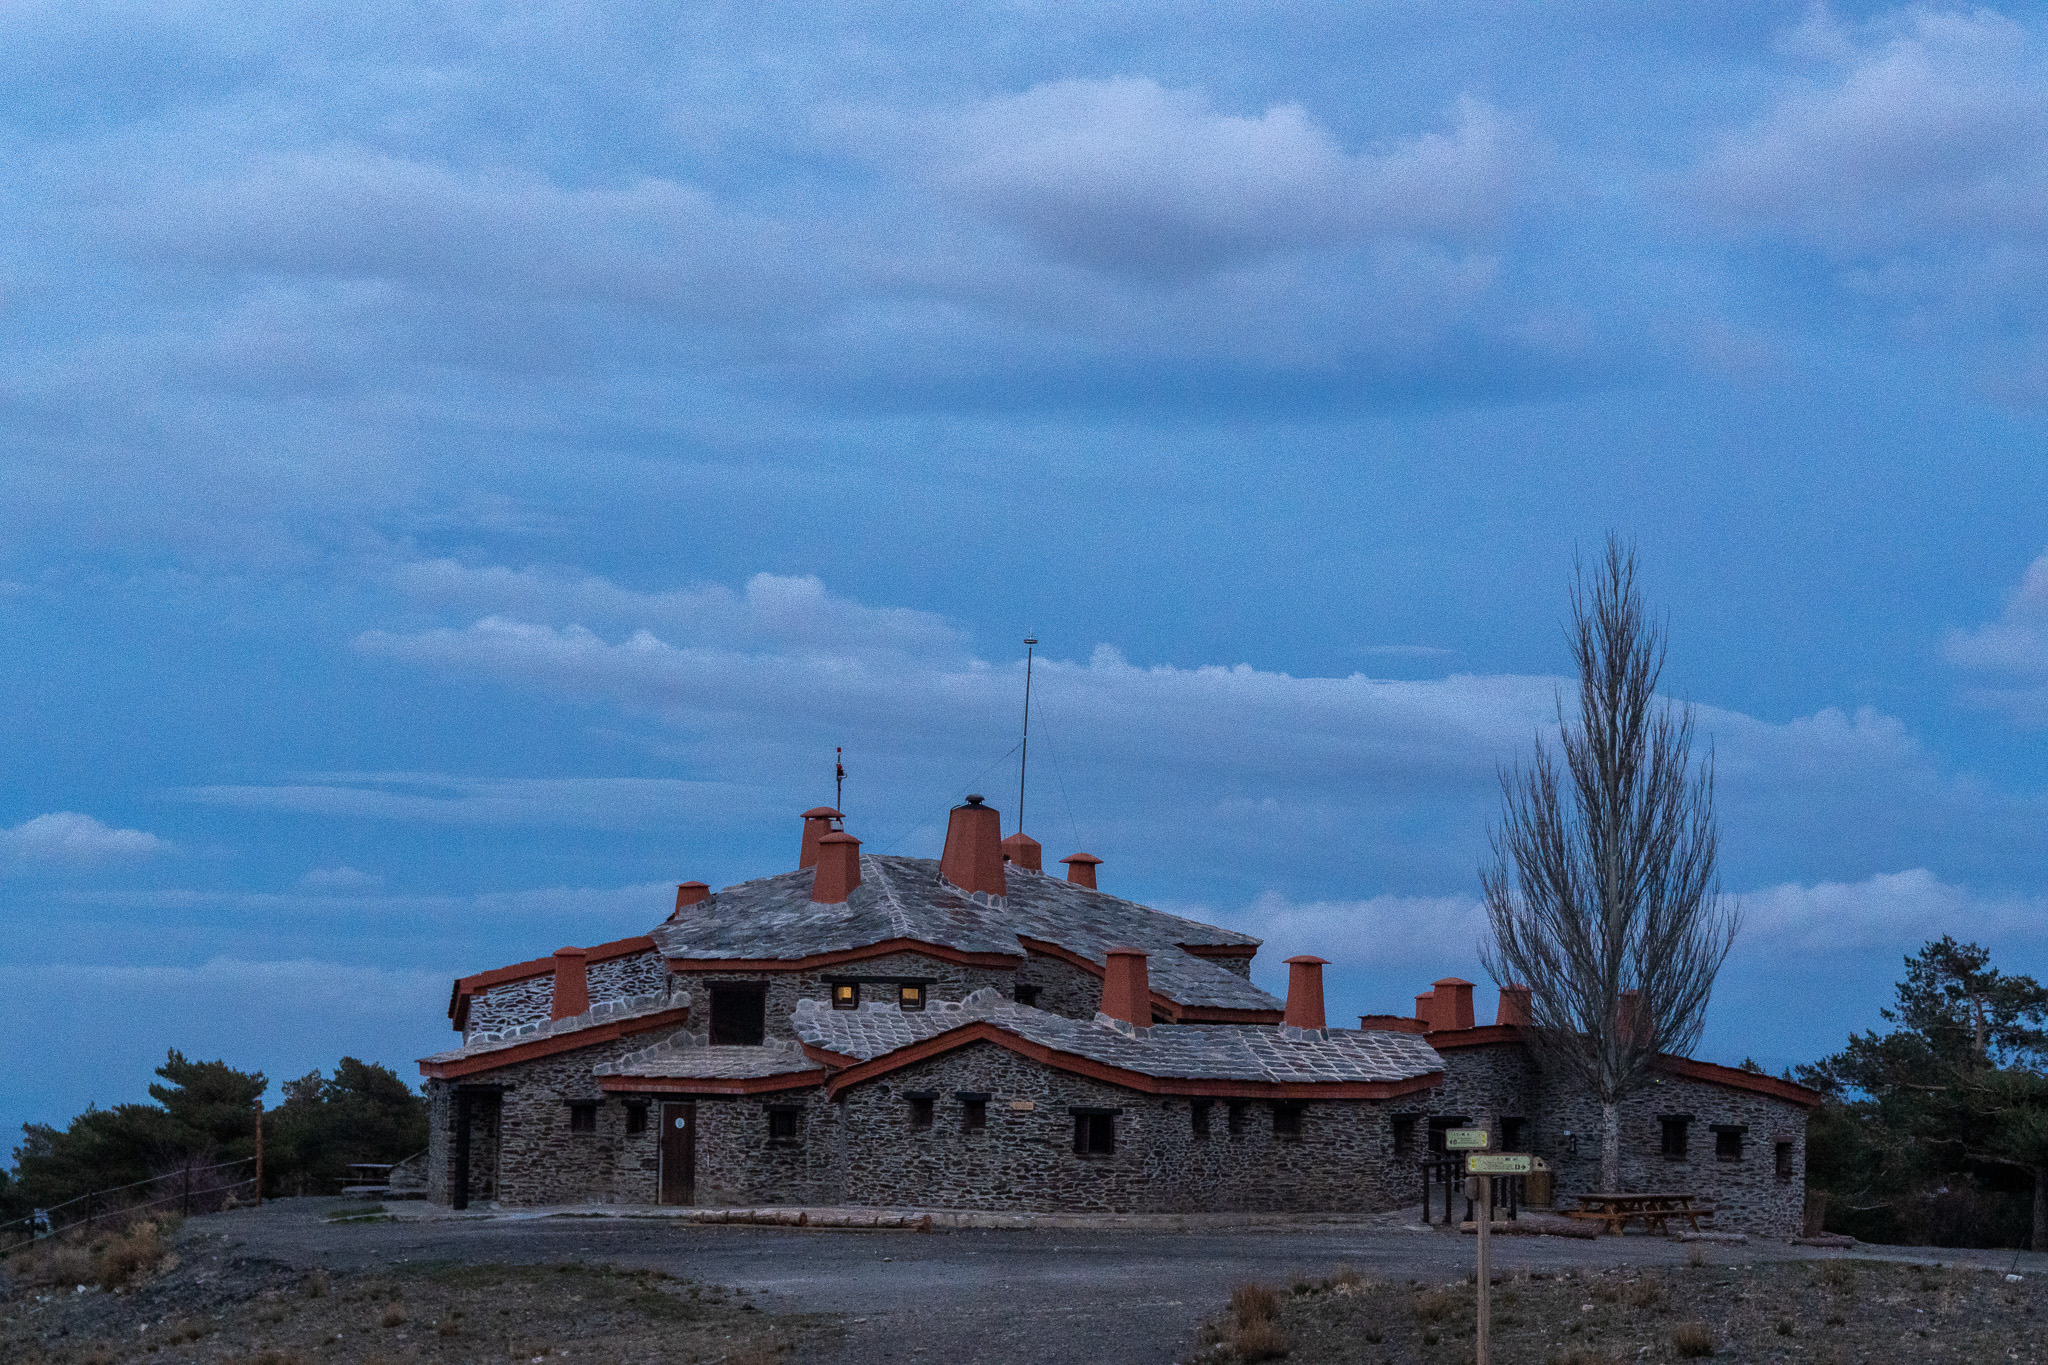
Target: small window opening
point(1511, 1134)
point(1674, 1138)
point(910, 996)
point(1728, 1143)
point(1025, 995)
point(1198, 1115)
point(846, 995)
point(636, 1118)
point(973, 1115)
point(1235, 1120)
point(739, 1014)
point(1404, 1137)
point(1287, 1120)
point(920, 1111)
point(583, 1118)
point(1784, 1161)
point(1095, 1134)
point(782, 1124)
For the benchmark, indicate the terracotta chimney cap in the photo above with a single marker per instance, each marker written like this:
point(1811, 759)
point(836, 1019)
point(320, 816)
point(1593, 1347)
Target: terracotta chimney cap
point(572, 952)
point(973, 799)
point(1024, 851)
point(822, 813)
point(1452, 981)
point(1310, 958)
point(837, 836)
point(1088, 858)
point(1305, 992)
point(1122, 950)
point(972, 859)
point(1081, 869)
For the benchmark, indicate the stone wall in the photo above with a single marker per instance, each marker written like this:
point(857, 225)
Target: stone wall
point(636, 974)
point(948, 981)
point(516, 1002)
point(1063, 988)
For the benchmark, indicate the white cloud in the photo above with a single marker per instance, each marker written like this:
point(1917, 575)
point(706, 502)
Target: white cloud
point(636, 907)
point(1130, 176)
point(342, 879)
point(2014, 647)
point(438, 799)
point(66, 837)
point(1890, 909)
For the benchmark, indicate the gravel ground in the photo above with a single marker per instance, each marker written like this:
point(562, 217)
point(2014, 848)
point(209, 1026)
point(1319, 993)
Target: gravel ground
point(864, 1298)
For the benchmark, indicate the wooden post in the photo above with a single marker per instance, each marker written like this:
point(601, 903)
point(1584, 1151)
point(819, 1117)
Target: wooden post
point(1485, 1269)
point(185, 1206)
point(259, 1151)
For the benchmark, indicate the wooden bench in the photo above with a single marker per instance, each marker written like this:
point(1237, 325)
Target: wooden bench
point(1614, 1212)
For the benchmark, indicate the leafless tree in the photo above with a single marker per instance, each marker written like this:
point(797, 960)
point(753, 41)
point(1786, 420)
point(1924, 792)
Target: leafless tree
point(1603, 896)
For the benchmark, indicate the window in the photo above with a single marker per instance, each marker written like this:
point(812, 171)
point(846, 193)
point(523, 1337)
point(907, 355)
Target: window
point(782, 1124)
point(1025, 995)
point(920, 1110)
point(1784, 1161)
point(1198, 1115)
point(1674, 1126)
point(1287, 1120)
point(739, 1014)
point(636, 1118)
point(1511, 1131)
point(1728, 1141)
point(846, 995)
point(910, 995)
point(973, 1112)
point(1404, 1137)
point(1235, 1122)
point(583, 1118)
point(1095, 1134)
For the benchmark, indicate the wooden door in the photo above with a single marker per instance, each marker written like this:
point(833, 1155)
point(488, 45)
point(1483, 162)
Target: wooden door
point(679, 1153)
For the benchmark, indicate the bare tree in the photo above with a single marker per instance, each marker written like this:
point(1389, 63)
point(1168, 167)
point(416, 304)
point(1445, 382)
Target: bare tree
point(1603, 898)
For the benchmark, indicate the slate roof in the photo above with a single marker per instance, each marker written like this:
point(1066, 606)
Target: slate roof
point(774, 918)
point(686, 1056)
point(604, 1012)
point(1203, 1052)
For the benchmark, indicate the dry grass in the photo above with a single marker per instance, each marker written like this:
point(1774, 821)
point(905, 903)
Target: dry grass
point(394, 1316)
point(1251, 1303)
point(1692, 1340)
point(1644, 1294)
point(1434, 1305)
point(112, 1258)
point(316, 1284)
point(1261, 1340)
point(1253, 1332)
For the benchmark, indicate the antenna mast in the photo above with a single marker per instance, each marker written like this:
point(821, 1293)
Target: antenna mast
point(838, 778)
point(1024, 749)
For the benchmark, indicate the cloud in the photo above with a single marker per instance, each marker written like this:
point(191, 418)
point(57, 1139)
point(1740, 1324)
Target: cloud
point(341, 879)
point(438, 799)
point(2014, 647)
point(1129, 176)
point(66, 837)
point(1888, 910)
point(639, 904)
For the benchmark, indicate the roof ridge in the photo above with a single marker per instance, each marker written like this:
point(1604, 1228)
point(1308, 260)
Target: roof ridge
point(899, 918)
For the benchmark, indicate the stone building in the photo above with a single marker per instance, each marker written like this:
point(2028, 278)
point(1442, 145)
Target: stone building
point(974, 1033)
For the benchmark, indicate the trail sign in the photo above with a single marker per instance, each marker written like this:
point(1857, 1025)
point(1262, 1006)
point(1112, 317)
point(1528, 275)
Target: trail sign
point(1498, 1163)
point(1464, 1139)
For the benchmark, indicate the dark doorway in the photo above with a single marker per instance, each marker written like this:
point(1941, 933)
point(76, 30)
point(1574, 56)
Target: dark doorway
point(679, 1153)
point(476, 1146)
point(739, 1014)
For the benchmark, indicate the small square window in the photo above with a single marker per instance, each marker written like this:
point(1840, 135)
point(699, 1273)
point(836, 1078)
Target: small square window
point(1673, 1141)
point(1287, 1120)
point(782, 1124)
point(1235, 1122)
point(1024, 995)
point(920, 1111)
point(1728, 1144)
point(739, 1013)
point(583, 1118)
point(1784, 1161)
point(636, 1118)
point(910, 996)
point(846, 995)
point(1095, 1134)
point(1198, 1115)
point(973, 1115)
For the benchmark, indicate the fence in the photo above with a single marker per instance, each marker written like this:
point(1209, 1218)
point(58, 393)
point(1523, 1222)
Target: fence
point(190, 1189)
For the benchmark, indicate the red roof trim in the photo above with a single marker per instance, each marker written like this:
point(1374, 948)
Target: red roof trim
point(684, 1085)
point(835, 1060)
point(982, 1031)
point(466, 986)
point(1219, 949)
point(1483, 1036)
point(833, 959)
point(550, 1044)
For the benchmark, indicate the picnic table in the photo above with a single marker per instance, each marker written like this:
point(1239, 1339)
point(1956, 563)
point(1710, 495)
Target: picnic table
point(1613, 1211)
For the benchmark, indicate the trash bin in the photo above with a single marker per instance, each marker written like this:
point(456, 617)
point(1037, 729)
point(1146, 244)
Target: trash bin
point(1537, 1189)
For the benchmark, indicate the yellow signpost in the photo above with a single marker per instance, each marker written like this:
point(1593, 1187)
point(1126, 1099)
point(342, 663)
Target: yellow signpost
point(1464, 1139)
point(1499, 1163)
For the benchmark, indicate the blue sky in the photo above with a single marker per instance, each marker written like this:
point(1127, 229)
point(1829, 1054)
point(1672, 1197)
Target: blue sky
point(466, 466)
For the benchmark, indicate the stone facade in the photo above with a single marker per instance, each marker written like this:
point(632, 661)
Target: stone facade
point(1062, 987)
point(947, 981)
point(506, 1007)
point(635, 974)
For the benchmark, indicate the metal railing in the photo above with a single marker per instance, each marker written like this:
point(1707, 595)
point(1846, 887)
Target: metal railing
point(1449, 1172)
point(95, 1206)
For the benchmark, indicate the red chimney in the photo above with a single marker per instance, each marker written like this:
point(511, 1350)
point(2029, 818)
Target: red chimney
point(817, 823)
point(1126, 989)
point(689, 893)
point(1633, 1018)
point(1305, 991)
point(1021, 850)
point(1081, 869)
point(1425, 1008)
point(838, 868)
point(1514, 1007)
point(973, 858)
point(572, 984)
point(1453, 1004)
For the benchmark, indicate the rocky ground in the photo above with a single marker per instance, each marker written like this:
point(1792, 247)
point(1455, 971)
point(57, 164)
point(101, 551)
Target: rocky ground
point(203, 1302)
point(1837, 1312)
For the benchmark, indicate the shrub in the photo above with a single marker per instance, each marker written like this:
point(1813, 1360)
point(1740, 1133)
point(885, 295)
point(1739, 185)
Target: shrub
point(315, 1285)
point(1261, 1340)
point(1434, 1305)
point(126, 1256)
point(1692, 1340)
point(394, 1316)
point(1250, 1303)
point(1645, 1294)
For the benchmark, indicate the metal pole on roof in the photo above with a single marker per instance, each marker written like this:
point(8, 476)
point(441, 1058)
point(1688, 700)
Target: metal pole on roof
point(838, 778)
point(1024, 749)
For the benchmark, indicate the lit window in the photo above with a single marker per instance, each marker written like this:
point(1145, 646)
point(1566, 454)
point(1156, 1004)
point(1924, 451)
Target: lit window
point(846, 995)
point(910, 995)
point(583, 1118)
